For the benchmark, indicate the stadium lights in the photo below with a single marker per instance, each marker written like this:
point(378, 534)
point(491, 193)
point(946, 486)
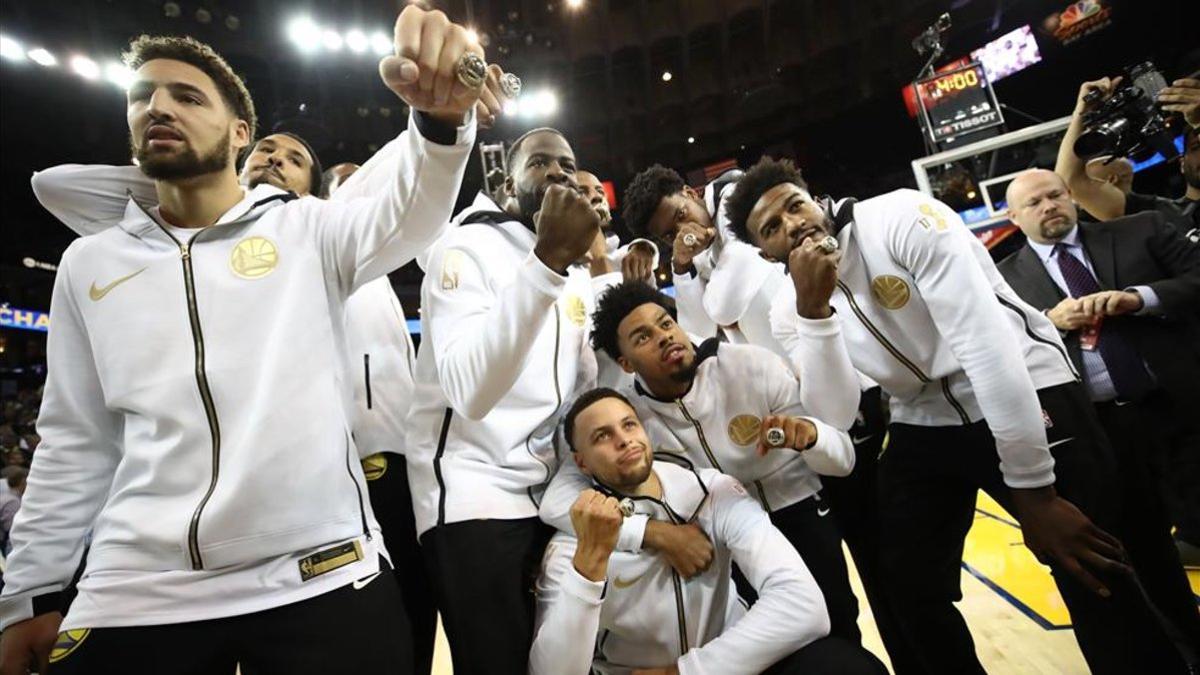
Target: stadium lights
point(119, 74)
point(381, 44)
point(691, 139)
point(666, 76)
point(331, 40)
point(574, 4)
point(357, 41)
point(85, 67)
point(42, 57)
point(542, 103)
point(304, 33)
point(11, 49)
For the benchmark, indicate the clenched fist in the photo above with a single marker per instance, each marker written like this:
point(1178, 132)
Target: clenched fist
point(638, 263)
point(814, 274)
point(424, 69)
point(798, 433)
point(688, 247)
point(567, 225)
point(597, 520)
point(686, 547)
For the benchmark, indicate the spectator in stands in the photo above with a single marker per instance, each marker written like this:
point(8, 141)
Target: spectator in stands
point(1106, 201)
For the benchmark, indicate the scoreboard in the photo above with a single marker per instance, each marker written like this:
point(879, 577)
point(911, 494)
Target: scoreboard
point(957, 102)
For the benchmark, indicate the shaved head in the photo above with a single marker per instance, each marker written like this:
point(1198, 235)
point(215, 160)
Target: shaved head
point(1040, 203)
point(1118, 172)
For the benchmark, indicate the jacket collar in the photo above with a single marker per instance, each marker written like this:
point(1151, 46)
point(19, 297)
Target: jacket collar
point(140, 220)
point(706, 350)
point(684, 490)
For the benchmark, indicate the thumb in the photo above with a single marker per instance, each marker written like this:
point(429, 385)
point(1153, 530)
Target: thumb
point(398, 71)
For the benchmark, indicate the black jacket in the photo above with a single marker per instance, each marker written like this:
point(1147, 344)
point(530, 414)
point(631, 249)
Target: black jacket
point(1143, 249)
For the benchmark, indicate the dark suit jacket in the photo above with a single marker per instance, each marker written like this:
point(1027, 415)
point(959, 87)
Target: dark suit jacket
point(1138, 250)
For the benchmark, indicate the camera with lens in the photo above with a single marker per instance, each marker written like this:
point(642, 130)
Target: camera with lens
point(1129, 123)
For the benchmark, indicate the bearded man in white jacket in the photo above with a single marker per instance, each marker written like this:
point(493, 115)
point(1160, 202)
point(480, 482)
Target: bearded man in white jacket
point(163, 426)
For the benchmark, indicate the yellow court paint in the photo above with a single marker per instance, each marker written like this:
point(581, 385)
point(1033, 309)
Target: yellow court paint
point(995, 555)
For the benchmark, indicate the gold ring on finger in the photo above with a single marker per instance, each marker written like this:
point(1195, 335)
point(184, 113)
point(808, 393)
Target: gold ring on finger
point(471, 70)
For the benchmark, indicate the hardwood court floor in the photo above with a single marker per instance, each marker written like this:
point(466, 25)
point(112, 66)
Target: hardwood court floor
point(1016, 616)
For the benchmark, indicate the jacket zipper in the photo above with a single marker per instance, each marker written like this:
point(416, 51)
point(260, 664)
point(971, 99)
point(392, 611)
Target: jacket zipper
point(700, 432)
point(557, 329)
point(210, 409)
point(677, 585)
point(1037, 338)
point(367, 377)
point(895, 352)
point(762, 496)
point(362, 510)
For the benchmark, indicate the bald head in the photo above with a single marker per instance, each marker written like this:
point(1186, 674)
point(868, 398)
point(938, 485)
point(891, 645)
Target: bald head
point(593, 189)
point(335, 176)
point(1040, 204)
point(1118, 172)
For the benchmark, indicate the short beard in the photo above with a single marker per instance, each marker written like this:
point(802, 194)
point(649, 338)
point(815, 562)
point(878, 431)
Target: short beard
point(687, 374)
point(188, 164)
point(529, 203)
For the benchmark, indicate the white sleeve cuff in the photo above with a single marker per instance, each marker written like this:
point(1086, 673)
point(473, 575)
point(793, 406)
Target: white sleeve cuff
point(578, 586)
point(633, 531)
point(541, 277)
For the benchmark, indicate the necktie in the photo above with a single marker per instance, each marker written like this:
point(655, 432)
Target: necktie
point(1124, 366)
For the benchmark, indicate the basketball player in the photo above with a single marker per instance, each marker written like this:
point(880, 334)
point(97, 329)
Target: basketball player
point(639, 258)
point(165, 432)
point(716, 405)
point(982, 396)
point(607, 611)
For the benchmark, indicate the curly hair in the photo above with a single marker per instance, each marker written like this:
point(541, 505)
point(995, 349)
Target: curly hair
point(615, 304)
point(195, 53)
point(585, 401)
point(645, 193)
point(763, 176)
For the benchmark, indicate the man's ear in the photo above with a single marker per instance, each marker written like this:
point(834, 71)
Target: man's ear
point(510, 187)
point(625, 364)
point(579, 463)
point(691, 193)
point(766, 256)
point(239, 135)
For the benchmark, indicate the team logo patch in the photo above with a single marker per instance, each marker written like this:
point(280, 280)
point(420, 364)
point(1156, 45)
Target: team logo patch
point(452, 263)
point(254, 258)
point(891, 292)
point(575, 309)
point(67, 642)
point(329, 560)
point(743, 429)
point(930, 218)
point(375, 466)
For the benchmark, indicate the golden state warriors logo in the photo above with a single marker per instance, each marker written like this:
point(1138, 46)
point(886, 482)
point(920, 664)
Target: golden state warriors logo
point(375, 466)
point(930, 218)
point(743, 429)
point(891, 292)
point(254, 258)
point(67, 642)
point(575, 309)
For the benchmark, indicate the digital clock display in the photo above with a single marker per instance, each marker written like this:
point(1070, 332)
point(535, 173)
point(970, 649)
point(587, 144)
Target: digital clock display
point(958, 102)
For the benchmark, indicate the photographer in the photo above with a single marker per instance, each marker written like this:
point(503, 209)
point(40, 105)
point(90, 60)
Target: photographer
point(1106, 201)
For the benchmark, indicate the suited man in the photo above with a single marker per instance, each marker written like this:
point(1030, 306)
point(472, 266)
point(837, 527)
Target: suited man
point(1123, 294)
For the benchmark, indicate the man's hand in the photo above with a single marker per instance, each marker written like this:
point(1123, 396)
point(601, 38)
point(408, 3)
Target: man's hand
point(682, 253)
point(424, 69)
point(814, 274)
point(798, 433)
point(1110, 303)
point(597, 520)
point(1104, 85)
point(638, 263)
point(1067, 315)
point(1183, 96)
point(492, 99)
point(1056, 531)
point(685, 547)
point(27, 643)
point(567, 226)
point(669, 670)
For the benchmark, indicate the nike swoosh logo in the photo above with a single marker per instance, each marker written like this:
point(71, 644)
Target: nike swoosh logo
point(96, 294)
point(621, 583)
point(859, 440)
point(1065, 440)
point(821, 513)
point(359, 583)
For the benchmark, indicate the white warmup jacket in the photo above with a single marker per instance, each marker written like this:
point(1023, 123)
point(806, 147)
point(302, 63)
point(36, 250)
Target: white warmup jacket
point(732, 286)
point(716, 425)
point(195, 416)
point(644, 615)
point(91, 198)
point(504, 348)
point(925, 313)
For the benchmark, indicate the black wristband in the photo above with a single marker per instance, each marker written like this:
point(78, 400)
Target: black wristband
point(434, 130)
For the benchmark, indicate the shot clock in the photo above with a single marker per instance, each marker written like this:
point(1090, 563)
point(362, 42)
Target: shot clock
point(957, 102)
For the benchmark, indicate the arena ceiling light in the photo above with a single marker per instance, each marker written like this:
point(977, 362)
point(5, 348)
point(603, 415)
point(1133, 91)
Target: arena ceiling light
point(331, 40)
point(85, 67)
point(542, 103)
point(42, 57)
point(11, 49)
point(666, 76)
point(304, 33)
point(381, 44)
point(574, 4)
point(357, 42)
point(119, 74)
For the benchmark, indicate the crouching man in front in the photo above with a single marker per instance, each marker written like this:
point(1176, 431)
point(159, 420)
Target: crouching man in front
point(620, 612)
